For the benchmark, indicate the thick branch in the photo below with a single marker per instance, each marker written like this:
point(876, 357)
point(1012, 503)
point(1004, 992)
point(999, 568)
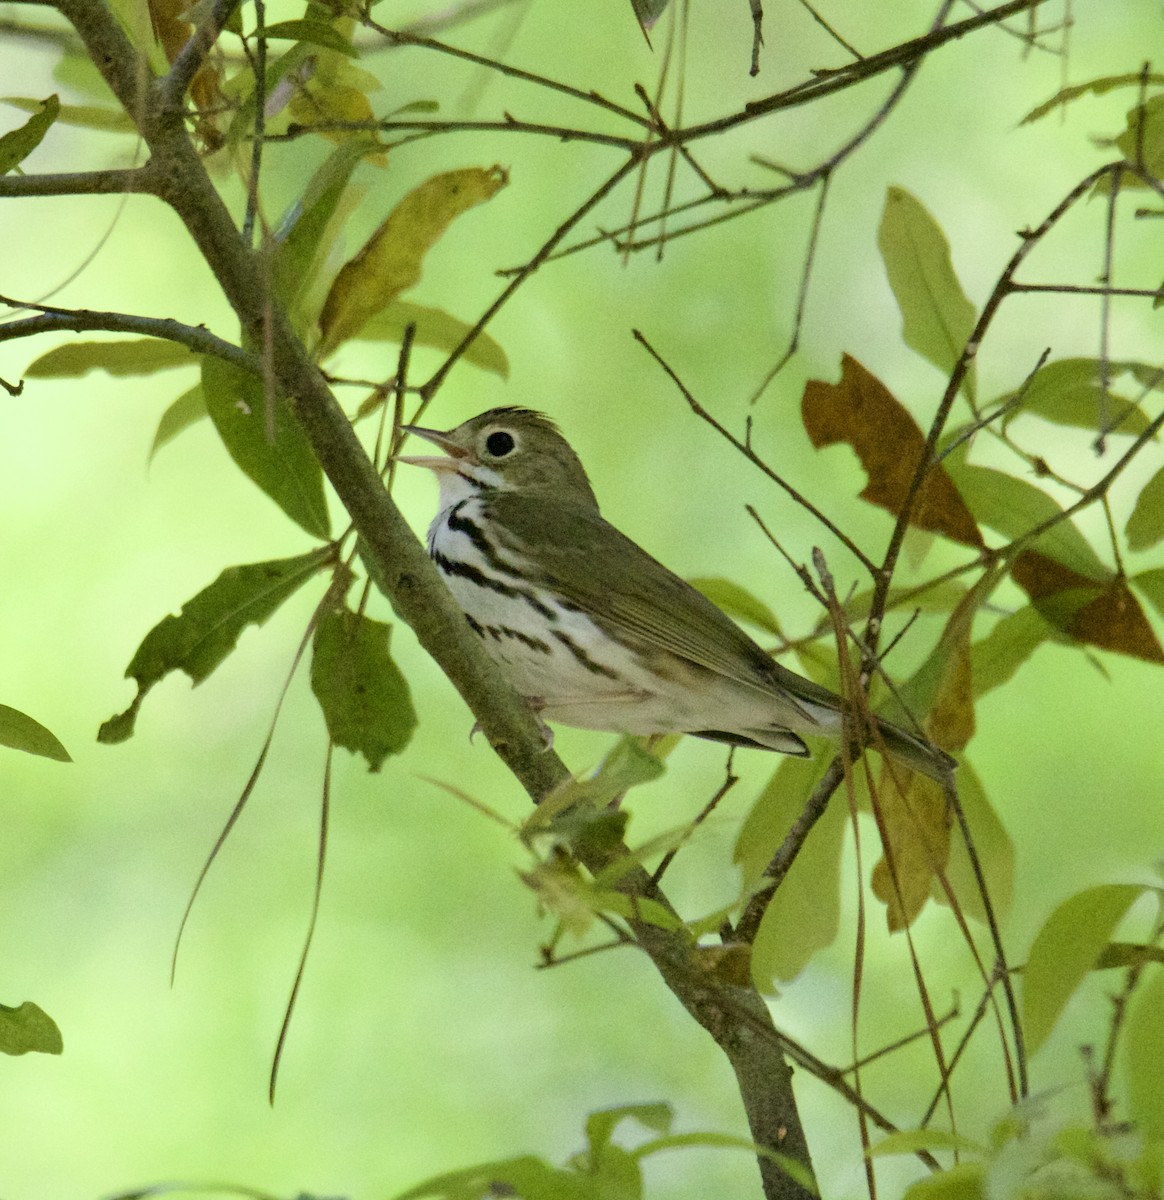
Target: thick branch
point(736, 1017)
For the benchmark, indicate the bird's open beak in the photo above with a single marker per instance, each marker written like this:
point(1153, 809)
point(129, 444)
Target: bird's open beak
point(449, 461)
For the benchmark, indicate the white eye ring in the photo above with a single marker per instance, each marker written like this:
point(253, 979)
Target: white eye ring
point(500, 443)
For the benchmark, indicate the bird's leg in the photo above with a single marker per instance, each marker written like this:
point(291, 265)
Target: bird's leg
point(536, 703)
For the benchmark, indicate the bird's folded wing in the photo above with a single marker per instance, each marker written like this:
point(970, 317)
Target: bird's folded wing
point(588, 563)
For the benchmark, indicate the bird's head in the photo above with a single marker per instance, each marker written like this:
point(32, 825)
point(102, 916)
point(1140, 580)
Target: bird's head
point(505, 449)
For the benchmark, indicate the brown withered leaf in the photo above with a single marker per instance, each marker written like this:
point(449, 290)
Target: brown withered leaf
point(862, 412)
point(1102, 613)
point(173, 32)
point(916, 825)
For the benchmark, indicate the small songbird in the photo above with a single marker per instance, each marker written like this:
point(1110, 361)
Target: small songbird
point(589, 627)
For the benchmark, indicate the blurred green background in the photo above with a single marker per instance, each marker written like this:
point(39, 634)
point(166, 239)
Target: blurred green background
point(424, 1038)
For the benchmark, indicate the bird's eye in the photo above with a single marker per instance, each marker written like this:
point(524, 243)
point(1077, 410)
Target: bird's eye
point(499, 443)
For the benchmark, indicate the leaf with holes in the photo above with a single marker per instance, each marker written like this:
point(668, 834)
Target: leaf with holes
point(207, 629)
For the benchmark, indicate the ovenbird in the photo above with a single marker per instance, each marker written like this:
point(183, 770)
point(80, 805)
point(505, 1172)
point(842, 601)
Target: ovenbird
point(588, 626)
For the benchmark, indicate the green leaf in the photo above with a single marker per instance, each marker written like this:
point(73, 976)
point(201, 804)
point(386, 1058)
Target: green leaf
point(738, 602)
point(937, 317)
point(187, 410)
point(436, 328)
point(909, 1141)
point(364, 697)
point(962, 1181)
point(995, 658)
point(648, 12)
point(129, 356)
point(201, 637)
point(1065, 950)
point(1145, 526)
point(1013, 507)
point(600, 1125)
point(267, 443)
point(626, 766)
point(27, 1028)
point(309, 229)
point(391, 260)
point(804, 914)
point(87, 116)
point(1143, 1061)
point(1151, 583)
point(318, 33)
point(20, 732)
point(1149, 140)
point(1069, 392)
point(1128, 954)
point(1095, 87)
point(525, 1176)
point(17, 145)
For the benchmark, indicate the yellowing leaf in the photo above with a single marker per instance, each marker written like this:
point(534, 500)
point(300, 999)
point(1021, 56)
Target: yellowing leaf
point(391, 260)
point(994, 849)
point(937, 318)
point(915, 833)
point(941, 691)
point(437, 328)
point(862, 412)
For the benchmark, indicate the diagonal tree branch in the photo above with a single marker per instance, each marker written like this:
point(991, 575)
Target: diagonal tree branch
point(736, 1017)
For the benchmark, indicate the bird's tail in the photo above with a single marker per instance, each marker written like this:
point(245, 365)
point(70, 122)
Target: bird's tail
point(913, 751)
